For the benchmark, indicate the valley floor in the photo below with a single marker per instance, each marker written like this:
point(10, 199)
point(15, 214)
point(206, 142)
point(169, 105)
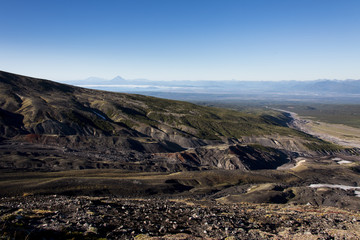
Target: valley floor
point(340, 134)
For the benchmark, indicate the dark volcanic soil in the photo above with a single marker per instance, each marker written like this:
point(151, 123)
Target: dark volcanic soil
point(60, 217)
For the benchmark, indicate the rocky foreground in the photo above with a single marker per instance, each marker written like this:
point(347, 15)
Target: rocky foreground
point(63, 217)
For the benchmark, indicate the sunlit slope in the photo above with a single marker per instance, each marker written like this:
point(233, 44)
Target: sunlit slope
point(35, 106)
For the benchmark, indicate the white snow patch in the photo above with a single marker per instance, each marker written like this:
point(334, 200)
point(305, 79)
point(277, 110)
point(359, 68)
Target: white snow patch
point(344, 187)
point(344, 162)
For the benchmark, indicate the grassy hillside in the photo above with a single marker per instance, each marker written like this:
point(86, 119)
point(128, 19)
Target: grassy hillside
point(42, 111)
point(203, 122)
point(47, 107)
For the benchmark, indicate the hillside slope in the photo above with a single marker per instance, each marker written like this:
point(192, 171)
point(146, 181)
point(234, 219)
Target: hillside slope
point(78, 119)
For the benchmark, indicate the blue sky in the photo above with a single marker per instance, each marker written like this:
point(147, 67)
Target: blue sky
point(181, 39)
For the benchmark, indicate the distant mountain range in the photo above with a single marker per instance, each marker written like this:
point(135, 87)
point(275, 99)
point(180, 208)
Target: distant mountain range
point(339, 90)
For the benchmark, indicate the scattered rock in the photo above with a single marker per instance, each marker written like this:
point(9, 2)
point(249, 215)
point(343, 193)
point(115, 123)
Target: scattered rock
point(158, 219)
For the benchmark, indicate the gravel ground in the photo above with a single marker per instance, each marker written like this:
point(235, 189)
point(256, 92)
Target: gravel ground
point(62, 217)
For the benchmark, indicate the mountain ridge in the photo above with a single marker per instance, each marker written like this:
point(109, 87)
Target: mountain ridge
point(118, 124)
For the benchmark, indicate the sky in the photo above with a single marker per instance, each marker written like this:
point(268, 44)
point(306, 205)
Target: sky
point(181, 39)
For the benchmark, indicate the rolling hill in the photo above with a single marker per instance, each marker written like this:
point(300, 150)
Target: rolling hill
point(140, 132)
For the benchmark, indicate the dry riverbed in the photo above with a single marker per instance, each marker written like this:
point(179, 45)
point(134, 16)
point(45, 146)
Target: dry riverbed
point(336, 133)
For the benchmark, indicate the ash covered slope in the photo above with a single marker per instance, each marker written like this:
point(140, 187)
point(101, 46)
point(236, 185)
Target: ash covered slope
point(42, 111)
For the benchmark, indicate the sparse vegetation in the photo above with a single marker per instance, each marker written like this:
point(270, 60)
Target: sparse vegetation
point(323, 146)
point(75, 111)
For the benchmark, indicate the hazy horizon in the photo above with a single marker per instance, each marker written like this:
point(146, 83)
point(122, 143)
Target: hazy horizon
point(199, 80)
